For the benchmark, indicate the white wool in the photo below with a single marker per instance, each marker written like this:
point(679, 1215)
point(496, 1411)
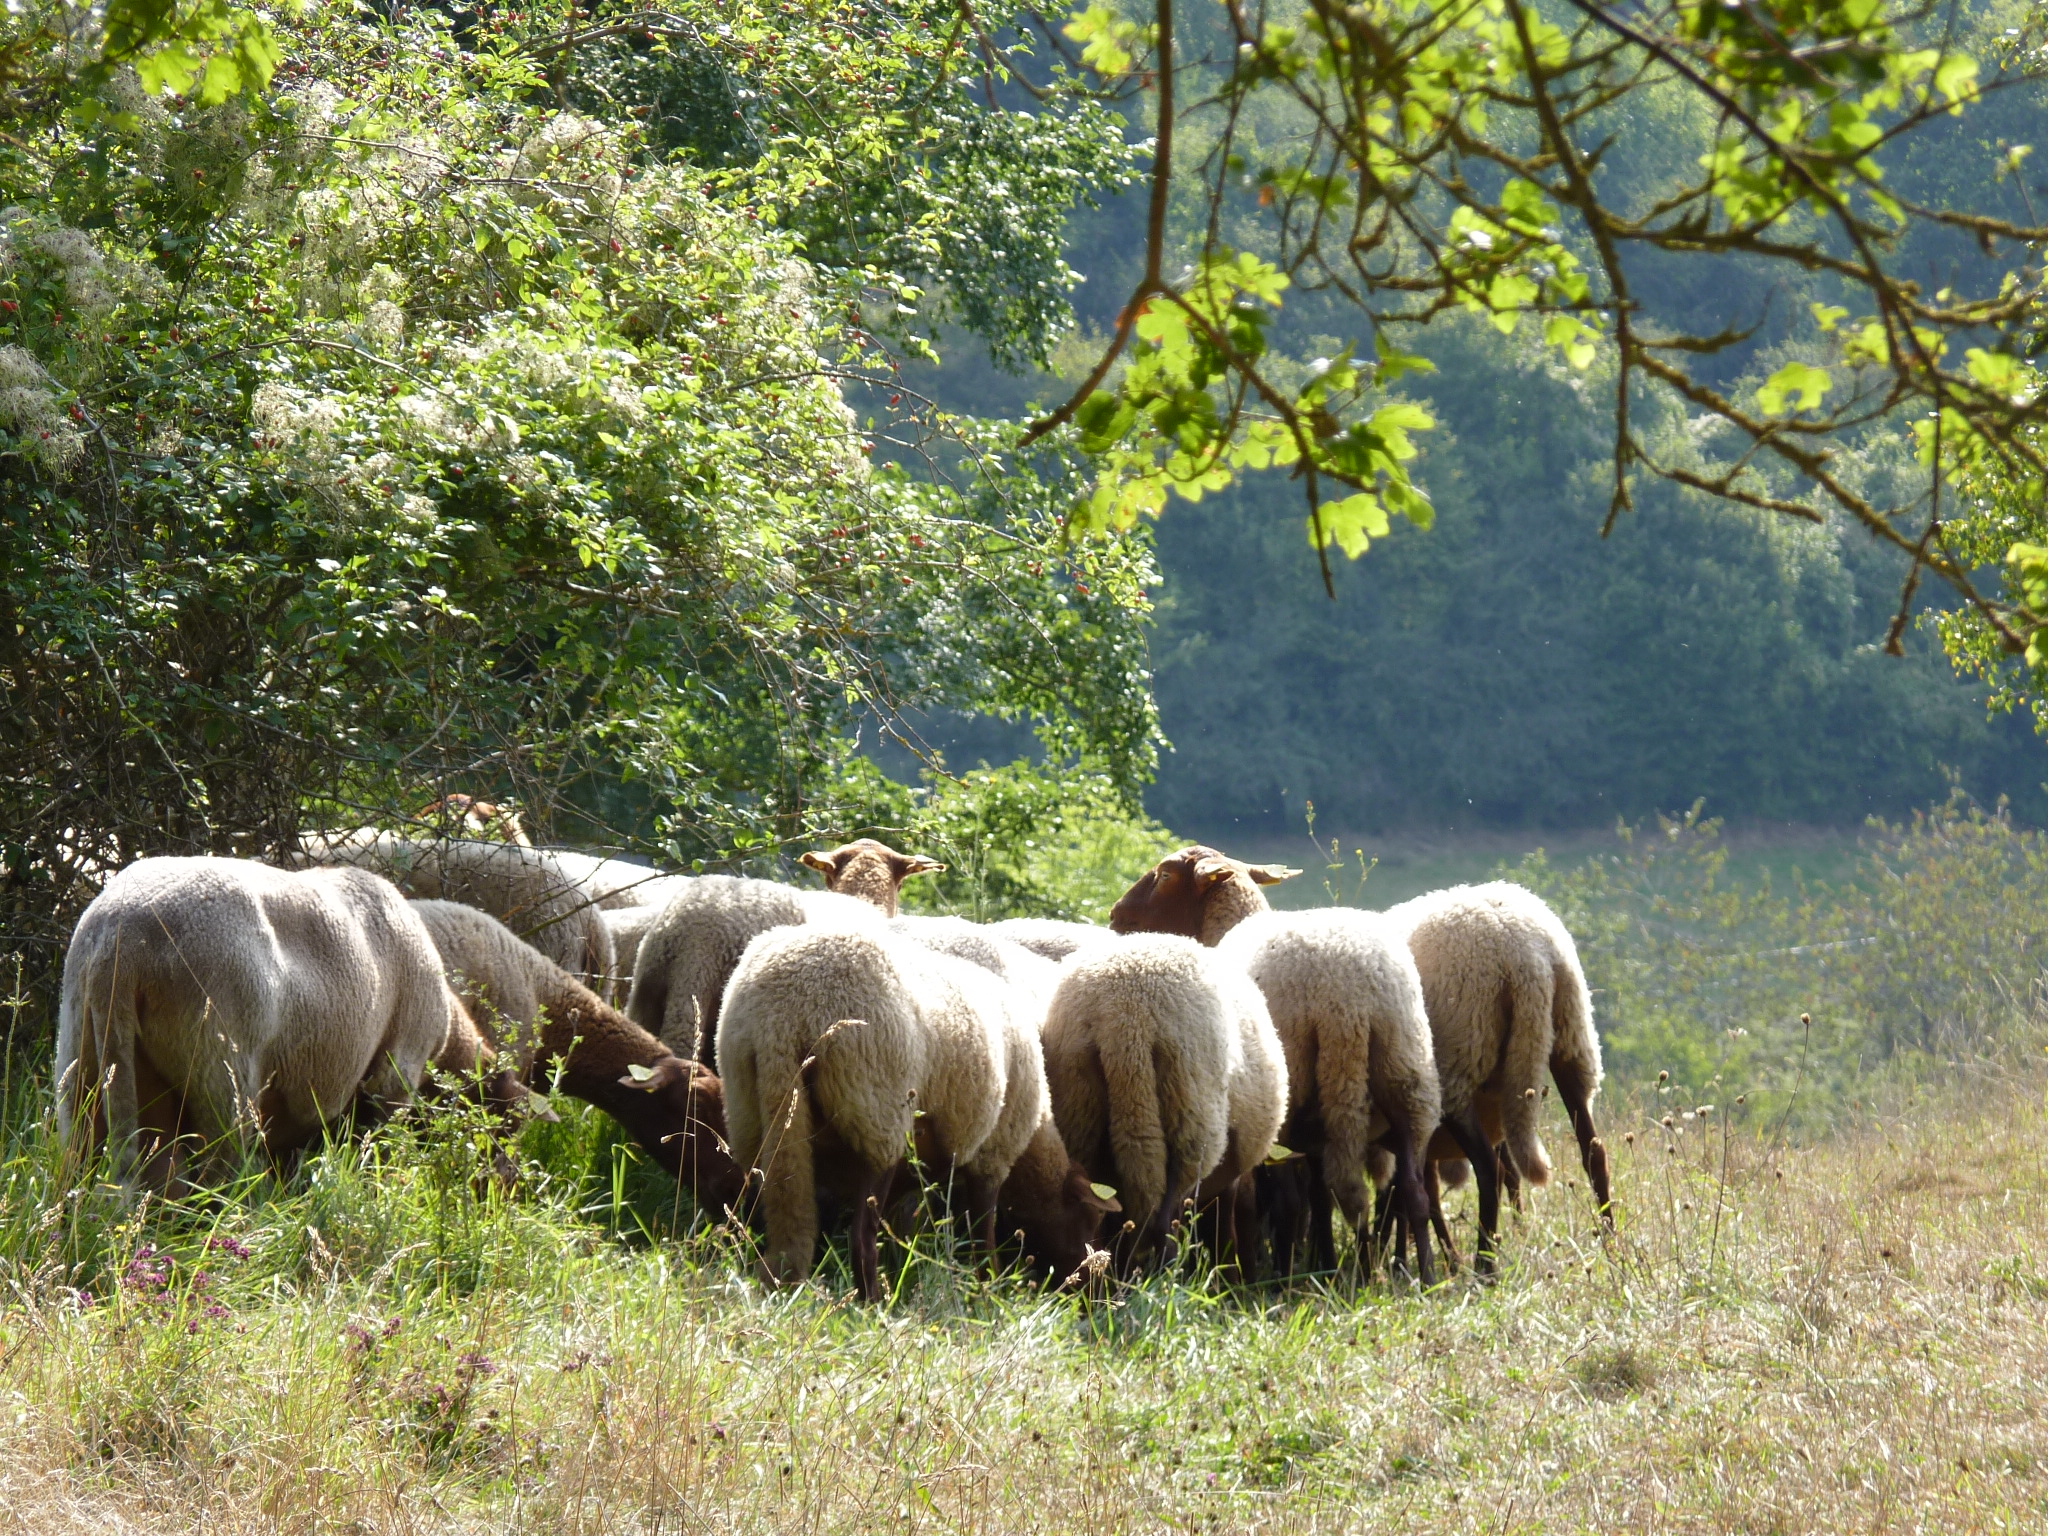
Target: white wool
point(264, 999)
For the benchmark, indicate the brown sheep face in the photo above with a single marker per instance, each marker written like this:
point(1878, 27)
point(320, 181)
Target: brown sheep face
point(872, 871)
point(688, 1103)
point(1174, 894)
point(1058, 1235)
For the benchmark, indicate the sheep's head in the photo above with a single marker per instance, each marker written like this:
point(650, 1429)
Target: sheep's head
point(873, 871)
point(1059, 1238)
point(685, 1127)
point(1197, 893)
point(1051, 1207)
point(467, 816)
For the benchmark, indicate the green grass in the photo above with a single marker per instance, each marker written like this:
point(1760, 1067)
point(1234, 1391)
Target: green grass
point(1842, 1337)
point(1822, 1309)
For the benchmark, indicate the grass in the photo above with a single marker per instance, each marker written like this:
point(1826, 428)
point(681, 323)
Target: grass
point(1843, 1337)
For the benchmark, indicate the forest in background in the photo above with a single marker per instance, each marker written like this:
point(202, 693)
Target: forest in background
point(1510, 668)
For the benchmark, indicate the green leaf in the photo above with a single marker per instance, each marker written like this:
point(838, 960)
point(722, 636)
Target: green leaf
point(1956, 80)
point(1996, 371)
point(1351, 524)
point(1802, 379)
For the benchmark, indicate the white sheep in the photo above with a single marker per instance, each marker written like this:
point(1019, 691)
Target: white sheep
point(1506, 998)
point(552, 1029)
point(1050, 937)
point(1348, 1006)
point(617, 885)
point(688, 955)
point(835, 1047)
point(1165, 1074)
point(204, 997)
point(527, 889)
point(984, 946)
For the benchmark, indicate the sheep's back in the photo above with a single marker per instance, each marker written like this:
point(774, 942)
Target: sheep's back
point(794, 987)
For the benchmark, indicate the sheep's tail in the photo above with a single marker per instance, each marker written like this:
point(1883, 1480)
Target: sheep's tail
point(788, 1126)
point(1575, 1066)
point(1344, 1093)
point(1132, 1071)
point(647, 995)
point(1530, 990)
point(97, 1101)
point(1574, 1042)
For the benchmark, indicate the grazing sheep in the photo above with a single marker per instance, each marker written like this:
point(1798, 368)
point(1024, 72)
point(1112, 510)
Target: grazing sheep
point(552, 1029)
point(617, 884)
point(834, 1046)
point(1049, 937)
point(874, 872)
point(628, 926)
point(1348, 1007)
point(689, 953)
point(204, 996)
point(982, 946)
point(1506, 997)
point(524, 888)
point(1163, 1073)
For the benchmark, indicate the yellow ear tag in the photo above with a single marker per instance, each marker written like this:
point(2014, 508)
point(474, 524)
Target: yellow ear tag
point(638, 1073)
point(1280, 1154)
point(1104, 1191)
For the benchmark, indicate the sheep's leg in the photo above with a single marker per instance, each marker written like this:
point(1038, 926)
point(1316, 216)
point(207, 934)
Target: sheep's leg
point(1158, 1234)
point(1435, 1189)
point(1385, 1219)
point(867, 1225)
point(1408, 1188)
point(1486, 1174)
point(1577, 1096)
point(1280, 1206)
point(1322, 1236)
point(1510, 1176)
point(1245, 1216)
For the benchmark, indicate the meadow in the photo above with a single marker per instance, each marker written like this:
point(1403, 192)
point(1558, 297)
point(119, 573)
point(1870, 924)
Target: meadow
point(1821, 1309)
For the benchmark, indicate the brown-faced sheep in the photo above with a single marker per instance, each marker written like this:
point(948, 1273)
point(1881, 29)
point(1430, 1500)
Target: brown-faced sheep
point(688, 955)
point(1506, 998)
point(205, 996)
point(870, 871)
point(526, 889)
point(835, 1047)
point(554, 1030)
point(1164, 1074)
point(1348, 1007)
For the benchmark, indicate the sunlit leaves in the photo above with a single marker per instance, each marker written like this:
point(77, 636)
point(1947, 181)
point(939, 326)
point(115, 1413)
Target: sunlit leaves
point(1109, 43)
point(1795, 387)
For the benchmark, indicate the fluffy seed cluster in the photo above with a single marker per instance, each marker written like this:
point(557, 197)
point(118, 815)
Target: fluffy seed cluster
point(30, 407)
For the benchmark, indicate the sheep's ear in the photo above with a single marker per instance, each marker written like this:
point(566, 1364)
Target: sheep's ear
point(657, 1077)
point(821, 863)
point(1097, 1197)
point(1215, 868)
point(1270, 874)
point(904, 865)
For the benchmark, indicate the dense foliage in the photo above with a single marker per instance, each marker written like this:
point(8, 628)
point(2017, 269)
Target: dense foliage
point(399, 430)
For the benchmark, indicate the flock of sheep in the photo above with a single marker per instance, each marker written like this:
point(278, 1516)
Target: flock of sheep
point(1069, 1094)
